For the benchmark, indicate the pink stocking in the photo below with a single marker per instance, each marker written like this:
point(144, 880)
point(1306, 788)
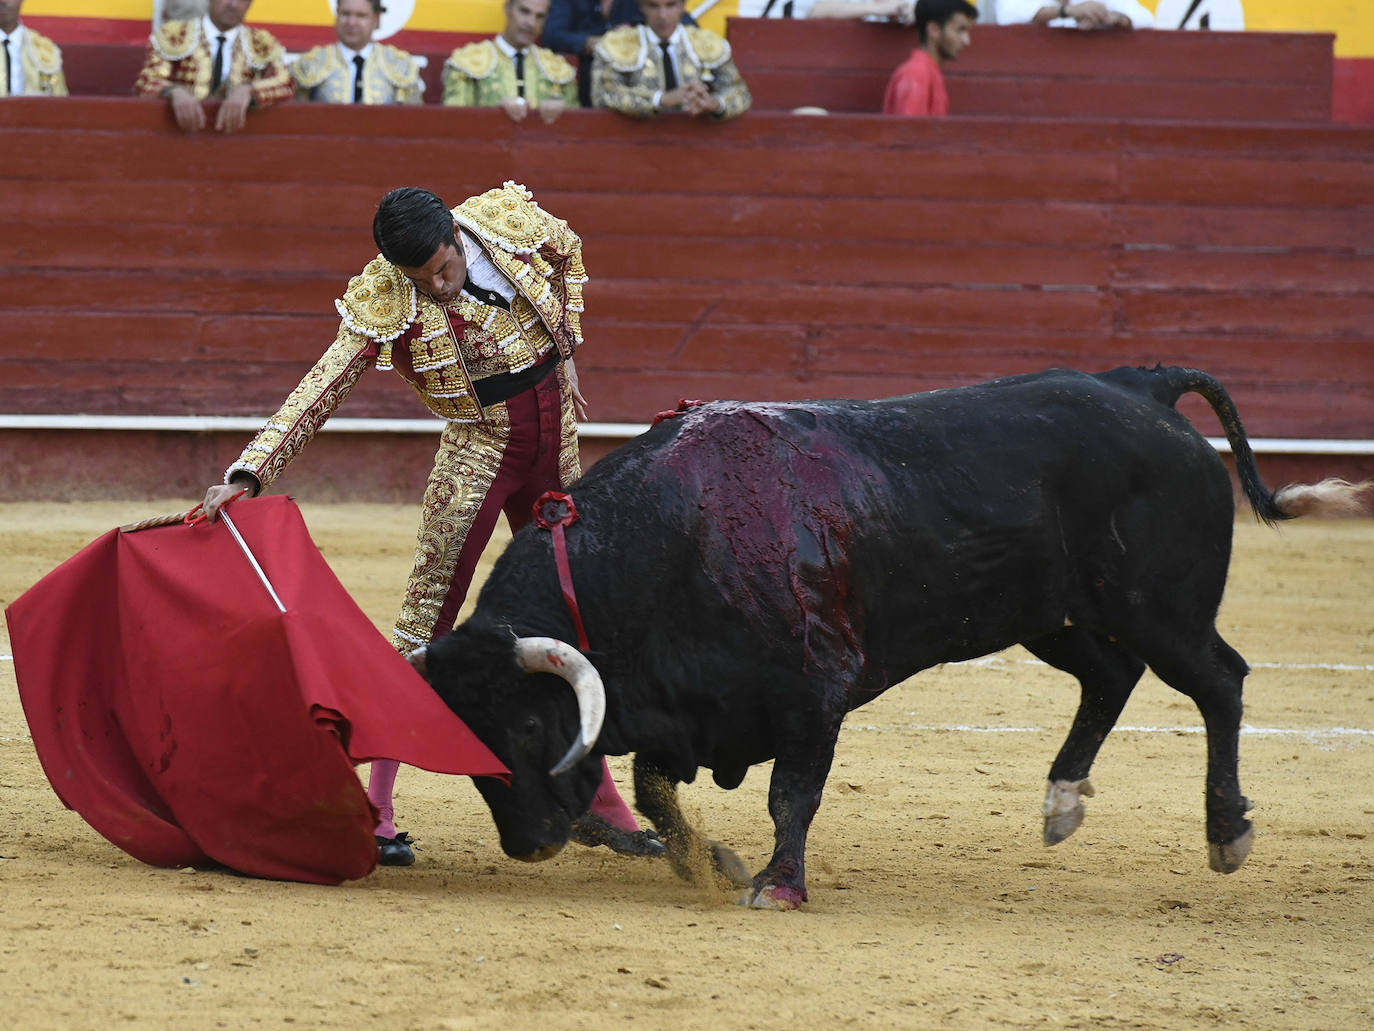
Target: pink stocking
point(608, 804)
point(380, 782)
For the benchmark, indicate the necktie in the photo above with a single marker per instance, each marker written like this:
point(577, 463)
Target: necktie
point(519, 73)
point(358, 78)
point(669, 75)
point(217, 76)
point(485, 296)
point(7, 90)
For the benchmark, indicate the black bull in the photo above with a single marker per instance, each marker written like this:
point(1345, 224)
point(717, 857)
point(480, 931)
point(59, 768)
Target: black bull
point(749, 573)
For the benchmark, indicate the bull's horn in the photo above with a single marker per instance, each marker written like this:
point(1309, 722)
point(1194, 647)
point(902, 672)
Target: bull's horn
point(549, 655)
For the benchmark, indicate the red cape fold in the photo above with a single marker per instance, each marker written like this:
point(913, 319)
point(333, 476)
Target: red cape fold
point(188, 720)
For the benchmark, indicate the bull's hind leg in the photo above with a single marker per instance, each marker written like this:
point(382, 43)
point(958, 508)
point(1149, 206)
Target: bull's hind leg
point(1107, 673)
point(689, 853)
point(1212, 674)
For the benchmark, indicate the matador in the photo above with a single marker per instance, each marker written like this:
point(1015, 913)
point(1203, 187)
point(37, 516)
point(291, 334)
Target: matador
point(479, 309)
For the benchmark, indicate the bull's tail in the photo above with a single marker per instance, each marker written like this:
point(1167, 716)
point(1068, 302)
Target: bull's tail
point(1331, 496)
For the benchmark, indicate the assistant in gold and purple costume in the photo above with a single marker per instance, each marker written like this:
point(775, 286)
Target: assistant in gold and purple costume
point(479, 309)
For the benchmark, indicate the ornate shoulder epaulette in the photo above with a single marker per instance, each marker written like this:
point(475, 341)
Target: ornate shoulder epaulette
point(263, 49)
point(476, 60)
point(397, 65)
point(379, 303)
point(623, 49)
point(710, 50)
point(507, 217)
point(176, 40)
point(47, 58)
point(312, 67)
point(557, 69)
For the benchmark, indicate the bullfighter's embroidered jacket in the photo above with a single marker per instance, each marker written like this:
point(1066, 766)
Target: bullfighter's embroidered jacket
point(390, 76)
point(41, 60)
point(179, 54)
point(440, 349)
point(482, 75)
point(628, 69)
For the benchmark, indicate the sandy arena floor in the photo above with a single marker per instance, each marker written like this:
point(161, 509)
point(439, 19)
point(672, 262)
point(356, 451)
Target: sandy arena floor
point(933, 901)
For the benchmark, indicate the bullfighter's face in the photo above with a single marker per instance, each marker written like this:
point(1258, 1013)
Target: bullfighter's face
point(9, 15)
point(441, 277)
point(662, 16)
point(355, 23)
point(229, 14)
point(524, 22)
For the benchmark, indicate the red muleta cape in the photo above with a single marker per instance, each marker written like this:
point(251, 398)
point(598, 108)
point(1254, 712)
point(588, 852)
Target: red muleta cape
point(188, 719)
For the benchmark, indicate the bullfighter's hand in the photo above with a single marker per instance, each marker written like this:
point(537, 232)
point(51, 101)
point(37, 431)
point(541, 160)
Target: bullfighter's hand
point(550, 109)
point(186, 109)
point(233, 112)
point(1089, 14)
point(221, 494)
point(699, 100)
point(673, 99)
point(579, 402)
point(516, 108)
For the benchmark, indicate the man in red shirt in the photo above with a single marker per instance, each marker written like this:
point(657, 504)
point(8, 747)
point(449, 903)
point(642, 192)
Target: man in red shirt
point(917, 87)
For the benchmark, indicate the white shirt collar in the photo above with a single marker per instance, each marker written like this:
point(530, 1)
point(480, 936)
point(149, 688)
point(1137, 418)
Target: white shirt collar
point(16, 37)
point(212, 34)
point(672, 40)
point(506, 48)
point(348, 54)
point(480, 268)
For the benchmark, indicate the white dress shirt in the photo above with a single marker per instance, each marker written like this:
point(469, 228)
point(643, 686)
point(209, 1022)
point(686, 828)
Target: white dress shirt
point(353, 70)
point(480, 269)
point(1018, 12)
point(16, 43)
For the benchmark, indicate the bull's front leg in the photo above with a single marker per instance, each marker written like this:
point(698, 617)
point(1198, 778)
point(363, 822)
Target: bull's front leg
point(794, 795)
point(689, 853)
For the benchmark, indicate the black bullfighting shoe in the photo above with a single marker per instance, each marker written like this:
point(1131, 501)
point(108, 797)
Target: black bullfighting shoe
point(395, 851)
point(591, 830)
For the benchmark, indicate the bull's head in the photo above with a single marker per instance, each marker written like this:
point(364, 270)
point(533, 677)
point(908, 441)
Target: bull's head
point(498, 686)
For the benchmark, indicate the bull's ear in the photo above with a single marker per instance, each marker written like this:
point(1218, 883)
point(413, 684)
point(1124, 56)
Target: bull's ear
point(417, 660)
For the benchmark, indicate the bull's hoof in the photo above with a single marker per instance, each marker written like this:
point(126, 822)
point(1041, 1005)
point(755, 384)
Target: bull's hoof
point(1064, 808)
point(774, 896)
point(1230, 857)
point(729, 866)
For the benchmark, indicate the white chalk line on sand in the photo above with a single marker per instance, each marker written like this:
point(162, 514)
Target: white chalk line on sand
point(1000, 660)
point(1339, 667)
point(1313, 734)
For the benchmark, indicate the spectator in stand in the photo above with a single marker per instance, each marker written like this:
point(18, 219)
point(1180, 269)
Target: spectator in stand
point(355, 70)
point(510, 72)
point(575, 27)
point(917, 87)
point(663, 66)
point(902, 12)
point(30, 64)
point(1089, 14)
point(216, 57)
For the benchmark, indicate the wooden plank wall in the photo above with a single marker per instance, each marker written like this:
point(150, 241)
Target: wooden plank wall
point(146, 272)
point(1023, 70)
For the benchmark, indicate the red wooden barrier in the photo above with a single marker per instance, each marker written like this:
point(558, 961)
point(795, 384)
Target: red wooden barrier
point(1011, 70)
point(146, 272)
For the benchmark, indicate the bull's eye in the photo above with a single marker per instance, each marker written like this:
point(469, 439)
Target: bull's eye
point(531, 727)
